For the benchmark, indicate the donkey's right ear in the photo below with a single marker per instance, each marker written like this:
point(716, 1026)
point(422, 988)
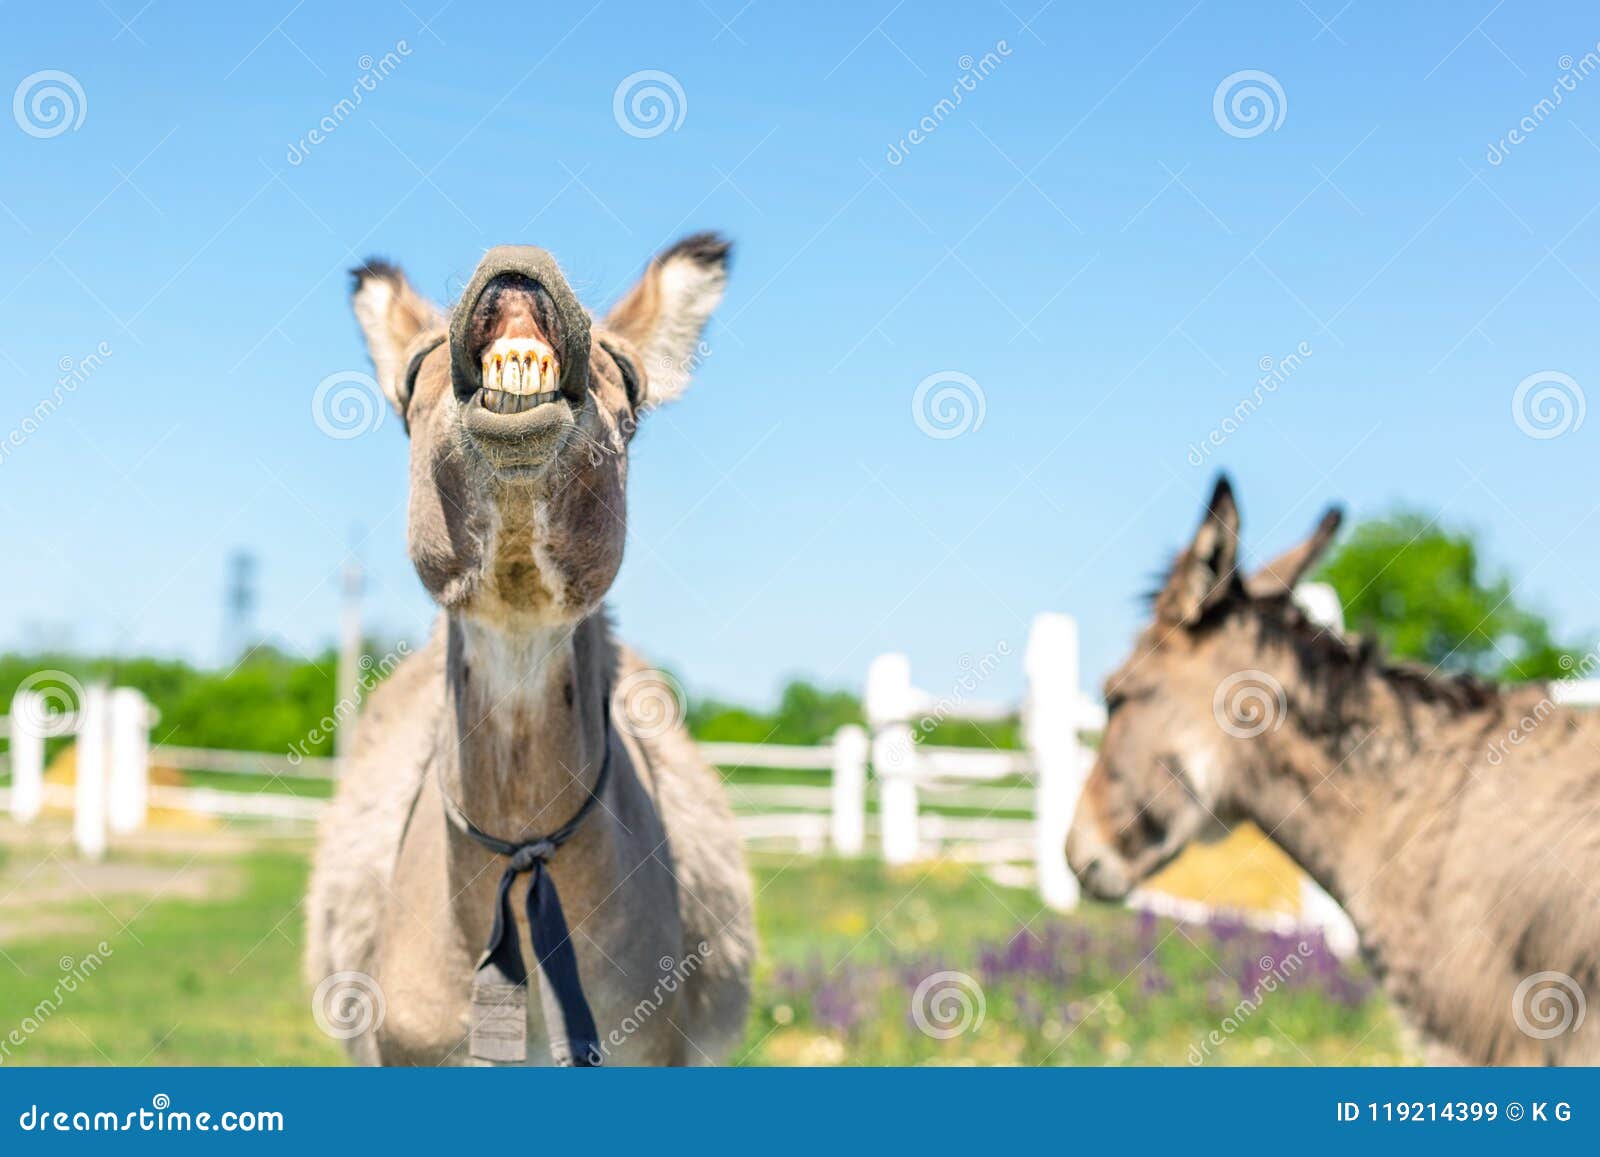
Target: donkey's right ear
point(1206, 572)
point(392, 315)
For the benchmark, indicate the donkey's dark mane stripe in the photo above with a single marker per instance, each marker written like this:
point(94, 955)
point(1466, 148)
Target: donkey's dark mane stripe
point(1327, 655)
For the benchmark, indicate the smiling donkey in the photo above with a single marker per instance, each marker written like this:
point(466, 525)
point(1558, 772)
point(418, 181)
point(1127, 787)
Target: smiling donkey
point(523, 745)
point(1453, 820)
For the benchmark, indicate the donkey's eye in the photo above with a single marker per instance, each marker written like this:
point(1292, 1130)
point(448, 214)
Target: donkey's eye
point(1115, 700)
point(630, 375)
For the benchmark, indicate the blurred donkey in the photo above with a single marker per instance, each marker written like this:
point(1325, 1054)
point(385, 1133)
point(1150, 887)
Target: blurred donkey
point(1458, 823)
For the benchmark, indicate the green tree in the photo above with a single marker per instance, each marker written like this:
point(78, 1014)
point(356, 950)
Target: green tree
point(270, 702)
point(1425, 593)
point(805, 715)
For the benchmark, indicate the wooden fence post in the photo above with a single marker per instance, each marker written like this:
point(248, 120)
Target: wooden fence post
point(89, 792)
point(1321, 604)
point(890, 701)
point(849, 818)
point(130, 760)
point(1050, 725)
point(27, 756)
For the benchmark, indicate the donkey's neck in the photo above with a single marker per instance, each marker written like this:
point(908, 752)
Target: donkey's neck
point(1354, 771)
point(524, 728)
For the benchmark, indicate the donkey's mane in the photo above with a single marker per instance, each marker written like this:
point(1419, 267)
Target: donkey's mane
point(1340, 666)
point(1342, 663)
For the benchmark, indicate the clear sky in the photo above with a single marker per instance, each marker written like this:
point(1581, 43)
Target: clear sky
point(1102, 249)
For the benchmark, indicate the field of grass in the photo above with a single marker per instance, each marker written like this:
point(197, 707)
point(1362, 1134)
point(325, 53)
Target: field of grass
point(201, 965)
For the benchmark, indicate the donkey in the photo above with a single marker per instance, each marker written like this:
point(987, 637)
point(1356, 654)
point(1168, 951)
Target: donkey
point(522, 716)
point(1454, 821)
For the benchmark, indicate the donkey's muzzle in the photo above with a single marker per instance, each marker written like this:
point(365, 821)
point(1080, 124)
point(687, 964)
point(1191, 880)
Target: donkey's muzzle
point(519, 358)
point(1100, 870)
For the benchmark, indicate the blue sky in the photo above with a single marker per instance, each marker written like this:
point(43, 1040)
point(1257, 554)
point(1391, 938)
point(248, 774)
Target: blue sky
point(1080, 237)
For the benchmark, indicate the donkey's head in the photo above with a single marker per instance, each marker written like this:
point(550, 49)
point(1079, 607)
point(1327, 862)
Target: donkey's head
point(520, 411)
point(1193, 716)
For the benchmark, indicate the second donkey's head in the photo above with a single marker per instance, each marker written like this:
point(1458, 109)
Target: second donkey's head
point(1205, 717)
point(520, 411)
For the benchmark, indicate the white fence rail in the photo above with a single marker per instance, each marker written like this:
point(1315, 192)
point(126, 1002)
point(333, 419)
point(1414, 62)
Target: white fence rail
point(988, 806)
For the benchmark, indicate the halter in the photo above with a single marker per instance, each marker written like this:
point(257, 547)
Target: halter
point(500, 982)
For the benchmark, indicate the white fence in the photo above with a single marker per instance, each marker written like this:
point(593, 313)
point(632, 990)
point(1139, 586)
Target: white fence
point(1055, 715)
point(1009, 810)
point(111, 785)
point(984, 805)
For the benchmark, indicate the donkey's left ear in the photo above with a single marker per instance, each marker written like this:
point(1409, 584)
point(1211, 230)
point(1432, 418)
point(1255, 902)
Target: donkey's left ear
point(665, 312)
point(1204, 573)
point(1280, 576)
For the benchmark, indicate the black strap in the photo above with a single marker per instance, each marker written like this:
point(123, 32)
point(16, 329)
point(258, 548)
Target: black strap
point(501, 962)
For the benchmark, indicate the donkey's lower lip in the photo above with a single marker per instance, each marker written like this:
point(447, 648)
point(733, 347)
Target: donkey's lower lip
point(517, 439)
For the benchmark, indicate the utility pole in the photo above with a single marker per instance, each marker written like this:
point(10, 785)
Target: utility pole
point(239, 608)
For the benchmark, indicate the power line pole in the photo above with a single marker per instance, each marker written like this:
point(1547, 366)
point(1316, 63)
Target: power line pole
point(239, 608)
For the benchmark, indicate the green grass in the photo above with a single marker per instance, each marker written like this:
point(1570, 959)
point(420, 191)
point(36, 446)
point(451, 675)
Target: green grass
point(213, 982)
point(216, 980)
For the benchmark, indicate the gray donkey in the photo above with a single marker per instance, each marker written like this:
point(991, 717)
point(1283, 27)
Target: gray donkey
point(1456, 822)
point(522, 719)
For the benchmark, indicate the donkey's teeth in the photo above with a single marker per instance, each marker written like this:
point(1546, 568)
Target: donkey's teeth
point(505, 402)
point(520, 365)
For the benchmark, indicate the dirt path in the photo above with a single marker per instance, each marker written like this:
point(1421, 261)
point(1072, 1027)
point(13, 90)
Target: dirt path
point(47, 889)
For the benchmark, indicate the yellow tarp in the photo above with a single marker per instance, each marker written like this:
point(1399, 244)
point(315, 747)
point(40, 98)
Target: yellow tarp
point(1244, 870)
point(63, 770)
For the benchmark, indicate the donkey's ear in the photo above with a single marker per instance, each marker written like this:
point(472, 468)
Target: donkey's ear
point(391, 315)
point(1280, 576)
point(1204, 573)
point(665, 312)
